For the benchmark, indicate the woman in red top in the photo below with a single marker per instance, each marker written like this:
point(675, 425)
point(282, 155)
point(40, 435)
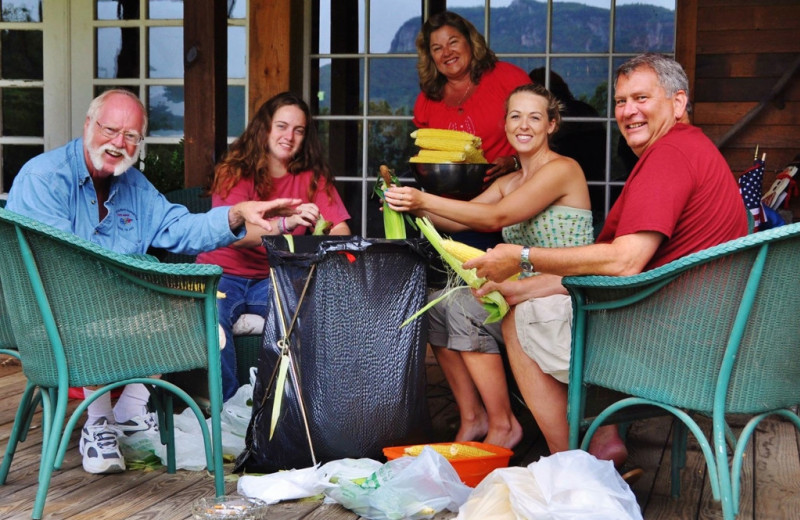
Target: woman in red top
point(278, 155)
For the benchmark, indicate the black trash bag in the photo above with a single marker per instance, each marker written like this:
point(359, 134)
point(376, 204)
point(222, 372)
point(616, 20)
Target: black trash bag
point(361, 378)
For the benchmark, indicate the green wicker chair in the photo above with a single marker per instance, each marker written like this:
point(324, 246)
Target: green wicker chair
point(83, 316)
point(703, 334)
point(30, 397)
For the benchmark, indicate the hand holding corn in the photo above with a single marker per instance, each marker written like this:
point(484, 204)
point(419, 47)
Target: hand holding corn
point(404, 198)
point(498, 264)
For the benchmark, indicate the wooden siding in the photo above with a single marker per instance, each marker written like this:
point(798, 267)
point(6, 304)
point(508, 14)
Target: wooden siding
point(744, 53)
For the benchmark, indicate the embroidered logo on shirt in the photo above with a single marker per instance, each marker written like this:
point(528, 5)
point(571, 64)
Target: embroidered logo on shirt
point(125, 220)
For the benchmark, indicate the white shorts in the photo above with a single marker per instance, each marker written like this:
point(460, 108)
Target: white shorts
point(544, 329)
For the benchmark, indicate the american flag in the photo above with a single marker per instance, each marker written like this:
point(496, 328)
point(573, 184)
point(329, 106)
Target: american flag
point(750, 188)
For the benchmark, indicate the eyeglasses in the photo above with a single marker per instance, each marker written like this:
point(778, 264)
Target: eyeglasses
point(112, 133)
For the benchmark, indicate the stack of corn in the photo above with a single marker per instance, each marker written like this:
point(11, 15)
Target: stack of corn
point(452, 451)
point(447, 146)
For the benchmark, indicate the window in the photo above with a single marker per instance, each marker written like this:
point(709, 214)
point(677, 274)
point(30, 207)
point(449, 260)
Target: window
point(363, 80)
point(21, 85)
point(138, 45)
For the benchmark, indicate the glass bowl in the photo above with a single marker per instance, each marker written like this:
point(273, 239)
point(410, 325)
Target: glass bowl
point(229, 507)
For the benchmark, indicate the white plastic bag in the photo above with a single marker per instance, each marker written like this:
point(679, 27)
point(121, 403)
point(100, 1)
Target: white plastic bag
point(307, 482)
point(189, 449)
point(571, 485)
point(407, 487)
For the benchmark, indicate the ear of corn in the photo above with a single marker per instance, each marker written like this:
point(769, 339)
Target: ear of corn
point(436, 143)
point(441, 133)
point(322, 226)
point(452, 451)
point(439, 156)
point(460, 250)
point(394, 226)
point(494, 303)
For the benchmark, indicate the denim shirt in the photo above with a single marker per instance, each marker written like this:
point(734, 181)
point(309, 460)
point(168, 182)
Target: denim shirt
point(56, 188)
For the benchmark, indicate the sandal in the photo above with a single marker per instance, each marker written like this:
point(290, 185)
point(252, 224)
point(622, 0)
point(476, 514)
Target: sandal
point(631, 475)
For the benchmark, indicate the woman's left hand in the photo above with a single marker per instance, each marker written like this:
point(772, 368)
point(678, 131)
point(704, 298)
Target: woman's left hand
point(501, 166)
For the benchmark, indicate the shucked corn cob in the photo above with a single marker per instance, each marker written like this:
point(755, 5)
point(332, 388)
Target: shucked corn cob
point(460, 250)
point(441, 133)
point(439, 146)
point(453, 451)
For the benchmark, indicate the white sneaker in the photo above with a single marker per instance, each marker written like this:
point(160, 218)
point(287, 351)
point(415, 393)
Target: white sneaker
point(100, 449)
point(140, 423)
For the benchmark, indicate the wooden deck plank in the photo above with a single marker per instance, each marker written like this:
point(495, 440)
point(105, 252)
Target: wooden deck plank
point(772, 476)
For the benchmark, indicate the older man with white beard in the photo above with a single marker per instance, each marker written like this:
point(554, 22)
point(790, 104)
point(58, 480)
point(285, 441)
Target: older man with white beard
point(90, 188)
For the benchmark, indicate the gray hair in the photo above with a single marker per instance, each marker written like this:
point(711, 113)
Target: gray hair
point(98, 102)
point(671, 75)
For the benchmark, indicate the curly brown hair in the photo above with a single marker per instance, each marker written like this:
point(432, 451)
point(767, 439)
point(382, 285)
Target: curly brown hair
point(431, 81)
point(247, 156)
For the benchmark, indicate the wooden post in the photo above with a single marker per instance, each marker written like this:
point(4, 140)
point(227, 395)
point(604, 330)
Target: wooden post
point(205, 57)
point(269, 51)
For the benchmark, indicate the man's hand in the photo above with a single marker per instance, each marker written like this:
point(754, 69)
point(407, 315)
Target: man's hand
point(518, 291)
point(257, 212)
point(498, 264)
point(502, 165)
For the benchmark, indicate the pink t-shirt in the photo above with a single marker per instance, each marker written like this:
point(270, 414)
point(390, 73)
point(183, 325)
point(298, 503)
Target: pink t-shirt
point(483, 114)
point(682, 188)
point(252, 262)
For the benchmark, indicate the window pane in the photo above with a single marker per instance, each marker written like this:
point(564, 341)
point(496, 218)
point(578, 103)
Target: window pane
point(165, 64)
point(580, 27)
point(390, 144)
point(117, 9)
point(237, 46)
point(21, 10)
point(585, 79)
point(526, 64)
point(163, 165)
point(342, 144)
point(117, 52)
point(340, 30)
point(23, 112)
point(645, 25)
point(340, 83)
point(237, 9)
point(165, 9)
point(165, 110)
point(472, 10)
point(14, 157)
point(393, 86)
point(236, 107)
point(394, 26)
point(21, 55)
point(507, 34)
point(622, 157)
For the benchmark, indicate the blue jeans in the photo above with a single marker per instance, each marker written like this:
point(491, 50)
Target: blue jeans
point(242, 296)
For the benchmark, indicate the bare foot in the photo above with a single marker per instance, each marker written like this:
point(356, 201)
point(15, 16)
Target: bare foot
point(473, 430)
point(606, 444)
point(507, 437)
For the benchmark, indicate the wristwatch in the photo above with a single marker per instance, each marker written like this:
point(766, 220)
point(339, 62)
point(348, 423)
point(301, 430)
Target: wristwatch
point(517, 165)
point(524, 260)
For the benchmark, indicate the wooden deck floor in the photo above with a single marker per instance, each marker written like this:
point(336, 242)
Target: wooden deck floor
point(771, 484)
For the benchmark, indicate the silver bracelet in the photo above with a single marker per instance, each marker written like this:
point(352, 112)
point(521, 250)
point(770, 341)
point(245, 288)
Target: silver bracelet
point(282, 225)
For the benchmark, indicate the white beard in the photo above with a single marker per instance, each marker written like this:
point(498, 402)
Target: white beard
point(96, 155)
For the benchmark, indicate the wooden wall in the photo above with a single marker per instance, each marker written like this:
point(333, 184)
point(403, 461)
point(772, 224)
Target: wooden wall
point(746, 58)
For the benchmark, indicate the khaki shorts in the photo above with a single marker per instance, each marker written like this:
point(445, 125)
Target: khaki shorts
point(544, 329)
